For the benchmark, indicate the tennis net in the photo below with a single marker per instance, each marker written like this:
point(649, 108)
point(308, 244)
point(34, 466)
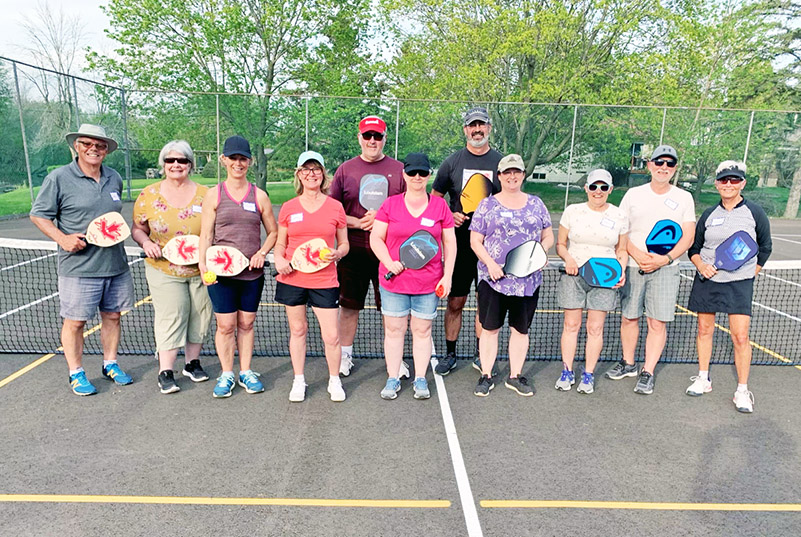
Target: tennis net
point(30, 322)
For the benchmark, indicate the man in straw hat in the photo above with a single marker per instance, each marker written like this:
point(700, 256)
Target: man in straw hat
point(89, 277)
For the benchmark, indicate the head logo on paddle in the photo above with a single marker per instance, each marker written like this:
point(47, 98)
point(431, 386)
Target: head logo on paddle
point(663, 237)
point(603, 272)
point(416, 251)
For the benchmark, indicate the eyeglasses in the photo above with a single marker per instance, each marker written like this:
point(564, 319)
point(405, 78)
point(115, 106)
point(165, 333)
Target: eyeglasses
point(370, 135)
point(311, 171)
point(730, 180)
point(660, 161)
point(101, 146)
point(595, 186)
point(415, 173)
point(173, 160)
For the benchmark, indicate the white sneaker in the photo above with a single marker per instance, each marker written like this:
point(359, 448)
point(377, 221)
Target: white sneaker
point(699, 386)
point(298, 392)
point(404, 371)
point(336, 390)
point(345, 365)
point(744, 401)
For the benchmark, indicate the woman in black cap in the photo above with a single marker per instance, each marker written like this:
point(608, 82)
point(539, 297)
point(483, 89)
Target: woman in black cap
point(722, 291)
point(233, 214)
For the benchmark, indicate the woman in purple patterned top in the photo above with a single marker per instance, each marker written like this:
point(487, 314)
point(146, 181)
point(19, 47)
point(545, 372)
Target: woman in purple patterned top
point(501, 223)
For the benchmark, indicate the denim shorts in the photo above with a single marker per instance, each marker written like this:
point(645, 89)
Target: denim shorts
point(399, 305)
point(82, 297)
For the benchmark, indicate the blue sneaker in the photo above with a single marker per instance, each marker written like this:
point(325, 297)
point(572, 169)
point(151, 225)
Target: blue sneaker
point(225, 385)
point(421, 388)
point(80, 384)
point(392, 388)
point(566, 380)
point(587, 384)
point(114, 372)
point(250, 381)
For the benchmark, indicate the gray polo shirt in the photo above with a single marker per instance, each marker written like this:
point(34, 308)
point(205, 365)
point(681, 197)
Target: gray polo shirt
point(73, 199)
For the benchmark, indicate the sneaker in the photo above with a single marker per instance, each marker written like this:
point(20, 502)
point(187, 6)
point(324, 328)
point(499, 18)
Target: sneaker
point(298, 392)
point(520, 385)
point(699, 386)
point(250, 381)
point(336, 390)
point(225, 386)
point(114, 372)
point(391, 389)
point(404, 372)
point(477, 366)
point(446, 365)
point(484, 386)
point(80, 384)
point(566, 381)
point(167, 382)
point(194, 371)
point(587, 384)
point(421, 390)
point(744, 401)
point(622, 370)
point(345, 365)
point(645, 384)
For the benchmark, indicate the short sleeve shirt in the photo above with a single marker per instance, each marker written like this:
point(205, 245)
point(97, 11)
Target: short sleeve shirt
point(73, 200)
point(400, 226)
point(166, 222)
point(504, 229)
point(457, 169)
point(593, 233)
point(303, 226)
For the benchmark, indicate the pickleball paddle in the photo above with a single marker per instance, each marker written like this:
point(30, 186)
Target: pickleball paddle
point(735, 251)
point(663, 237)
point(373, 190)
point(476, 189)
point(525, 259)
point(416, 251)
point(604, 272)
point(182, 250)
point(308, 257)
point(107, 230)
point(225, 260)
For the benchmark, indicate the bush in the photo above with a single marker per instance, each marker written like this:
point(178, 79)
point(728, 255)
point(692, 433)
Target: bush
point(209, 170)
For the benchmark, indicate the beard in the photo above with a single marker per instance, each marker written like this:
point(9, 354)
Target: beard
point(478, 143)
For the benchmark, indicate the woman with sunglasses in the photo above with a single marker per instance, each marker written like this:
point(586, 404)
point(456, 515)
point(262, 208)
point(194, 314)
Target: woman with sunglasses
point(412, 291)
point(592, 229)
point(311, 215)
point(730, 292)
point(181, 305)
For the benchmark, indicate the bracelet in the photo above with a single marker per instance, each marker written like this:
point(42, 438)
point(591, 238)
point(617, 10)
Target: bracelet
point(262, 253)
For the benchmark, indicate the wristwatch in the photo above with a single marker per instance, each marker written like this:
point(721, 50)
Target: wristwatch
point(670, 259)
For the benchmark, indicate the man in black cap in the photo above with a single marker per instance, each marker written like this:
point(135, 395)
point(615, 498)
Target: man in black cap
point(475, 158)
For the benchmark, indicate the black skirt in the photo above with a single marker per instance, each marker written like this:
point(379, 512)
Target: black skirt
point(729, 297)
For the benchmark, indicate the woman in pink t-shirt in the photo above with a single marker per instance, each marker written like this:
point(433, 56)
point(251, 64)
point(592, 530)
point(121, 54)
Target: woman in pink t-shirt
point(311, 215)
point(412, 291)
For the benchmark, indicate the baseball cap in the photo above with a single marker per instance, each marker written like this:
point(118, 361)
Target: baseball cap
point(664, 151)
point(511, 162)
point(372, 123)
point(236, 145)
point(416, 162)
point(599, 176)
point(730, 168)
point(477, 113)
point(306, 156)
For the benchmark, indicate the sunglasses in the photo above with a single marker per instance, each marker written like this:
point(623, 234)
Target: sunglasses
point(415, 173)
point(660, 161)
point(370, 135)
point(173, 160)
point(730, 180)
point(593, 187)
point(101, 146)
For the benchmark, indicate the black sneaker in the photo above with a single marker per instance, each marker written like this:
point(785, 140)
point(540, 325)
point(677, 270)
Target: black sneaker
point(645, 384)
point(477, 366)
point(194, 371)
point(520, 385)
point(445, 365)
point(484, 386)
point(622, 370)
point(167, 382)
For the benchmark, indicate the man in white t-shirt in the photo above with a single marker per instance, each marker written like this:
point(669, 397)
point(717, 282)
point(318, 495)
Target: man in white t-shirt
point(656, 290)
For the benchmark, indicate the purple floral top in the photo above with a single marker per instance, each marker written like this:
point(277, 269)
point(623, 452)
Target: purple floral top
point(505, 229)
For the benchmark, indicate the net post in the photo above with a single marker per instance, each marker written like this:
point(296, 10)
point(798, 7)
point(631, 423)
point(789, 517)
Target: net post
point(22, 128)
point(570, 158)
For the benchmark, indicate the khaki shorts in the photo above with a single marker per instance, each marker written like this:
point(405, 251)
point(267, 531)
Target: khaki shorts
point(181, 307)
point(656, 292)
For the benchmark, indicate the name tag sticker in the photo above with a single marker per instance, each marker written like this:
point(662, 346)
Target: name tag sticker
point(294, 218)
point(197, 209)
point(249, 206)
point(672, 204)
point(608, 222)
point(427, 222)
point(507, 214)
point(717, 222)
point(115, 196)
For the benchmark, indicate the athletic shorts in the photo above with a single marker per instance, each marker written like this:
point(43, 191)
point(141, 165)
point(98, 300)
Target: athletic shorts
point(727, 297)
point(493, 307)
point(290, 295)
point(81, 297)
point(229, 295)
point(355, 272)
point(573, 293)
point(655, 292)
point(465, 270)
point(400, 305)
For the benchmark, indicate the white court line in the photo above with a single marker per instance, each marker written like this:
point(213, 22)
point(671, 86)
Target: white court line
point(28, 305)
point(27, 262)
point(462, 481)
point(785, 240)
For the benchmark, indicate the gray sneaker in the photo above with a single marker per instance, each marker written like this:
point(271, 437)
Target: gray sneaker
point(645, 384)
point(477, 366)
point(520, 385)
point(446, 364)
point(484, 386)
point(622, 370)
point(566, 380)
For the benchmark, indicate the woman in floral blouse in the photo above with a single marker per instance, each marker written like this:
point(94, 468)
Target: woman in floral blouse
point(181, 303)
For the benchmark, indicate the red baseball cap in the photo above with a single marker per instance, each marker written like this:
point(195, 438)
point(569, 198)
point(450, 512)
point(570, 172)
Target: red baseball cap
point(372, 123)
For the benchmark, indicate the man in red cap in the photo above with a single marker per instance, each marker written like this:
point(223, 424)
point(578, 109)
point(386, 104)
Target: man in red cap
point(360, 266)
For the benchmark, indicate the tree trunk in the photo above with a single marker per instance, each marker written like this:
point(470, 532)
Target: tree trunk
point(795, 196)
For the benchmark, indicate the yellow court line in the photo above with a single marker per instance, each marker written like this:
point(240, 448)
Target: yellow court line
point(655, 506)
point(200, 500)
point(39, 361)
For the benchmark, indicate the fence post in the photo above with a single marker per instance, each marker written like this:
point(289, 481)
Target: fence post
point(748, 138)
point(662, 131)
point(306, 128)
point(570, 158)
point(22, 127)
point(77, 109)
point(217, 118)
point(125, 141)
point(397, 126)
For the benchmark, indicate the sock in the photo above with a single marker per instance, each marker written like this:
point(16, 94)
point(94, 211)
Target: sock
point(245, 372)
point(227, 373)
point(450, 346)
point(300, 378)
point(334, 379)
point(478, 340)
point(107, 363)
point(704, 375)
point(75, 371)
point(564, 366)
point(347, 350)
point(742, 388)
